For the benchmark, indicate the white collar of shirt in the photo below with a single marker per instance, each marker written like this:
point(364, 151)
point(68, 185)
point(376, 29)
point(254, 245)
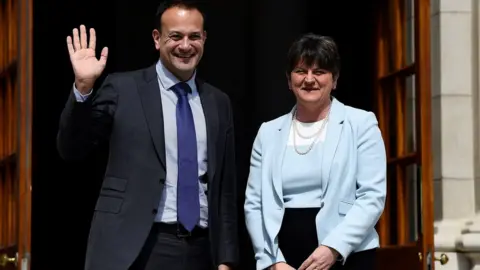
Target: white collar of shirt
point(167, 79)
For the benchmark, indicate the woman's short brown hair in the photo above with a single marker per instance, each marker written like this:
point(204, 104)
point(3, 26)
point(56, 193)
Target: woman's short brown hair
point(314, 50)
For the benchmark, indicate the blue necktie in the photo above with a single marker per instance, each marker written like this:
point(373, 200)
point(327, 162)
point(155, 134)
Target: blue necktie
point(188, 201)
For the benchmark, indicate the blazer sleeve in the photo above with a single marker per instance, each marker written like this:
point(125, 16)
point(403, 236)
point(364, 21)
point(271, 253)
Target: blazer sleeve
point(228, 253)
point(370, 193)
point(84, 125)
point(253, 208)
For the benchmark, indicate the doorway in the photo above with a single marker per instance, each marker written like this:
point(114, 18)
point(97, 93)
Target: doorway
point(352, 25)
point(244, 56)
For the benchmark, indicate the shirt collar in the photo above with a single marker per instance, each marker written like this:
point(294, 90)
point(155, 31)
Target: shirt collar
point(167, 79)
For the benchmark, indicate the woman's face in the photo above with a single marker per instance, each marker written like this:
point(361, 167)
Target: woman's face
point(311, 85)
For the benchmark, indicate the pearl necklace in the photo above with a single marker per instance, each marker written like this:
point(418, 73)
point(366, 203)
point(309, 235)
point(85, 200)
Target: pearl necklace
point(315, 134)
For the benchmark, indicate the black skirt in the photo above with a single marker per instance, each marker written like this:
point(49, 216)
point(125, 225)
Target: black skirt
point(297, 240)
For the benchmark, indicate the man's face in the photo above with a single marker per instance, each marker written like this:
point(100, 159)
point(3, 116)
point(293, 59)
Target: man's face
point(181, 40)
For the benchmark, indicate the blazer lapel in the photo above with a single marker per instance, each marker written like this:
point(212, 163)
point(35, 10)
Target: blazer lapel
point(211, 120)
point(284, 132)
point(334, 130)
point(149, 92)
point(279, 147)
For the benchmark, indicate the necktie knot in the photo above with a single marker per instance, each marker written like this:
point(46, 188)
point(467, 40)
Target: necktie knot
point(181, 89)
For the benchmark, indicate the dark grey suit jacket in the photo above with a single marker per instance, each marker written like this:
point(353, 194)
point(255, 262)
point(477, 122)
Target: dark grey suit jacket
point(127, 112)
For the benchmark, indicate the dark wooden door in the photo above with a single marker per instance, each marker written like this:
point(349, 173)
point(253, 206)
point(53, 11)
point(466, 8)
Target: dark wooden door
point(15, 133)
point(403, 107)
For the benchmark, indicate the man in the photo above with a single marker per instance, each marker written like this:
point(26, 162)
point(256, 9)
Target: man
point(168, 199)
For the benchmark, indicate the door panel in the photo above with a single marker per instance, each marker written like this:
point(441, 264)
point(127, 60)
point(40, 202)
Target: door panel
point(403, 107)
point(15, 133)
point(398, 258)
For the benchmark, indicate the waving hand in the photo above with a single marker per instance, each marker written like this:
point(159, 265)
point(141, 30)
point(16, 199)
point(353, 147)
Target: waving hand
point(86, 66)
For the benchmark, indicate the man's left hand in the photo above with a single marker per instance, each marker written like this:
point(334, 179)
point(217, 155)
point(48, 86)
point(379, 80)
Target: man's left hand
point(321, 259)
point(223, 267)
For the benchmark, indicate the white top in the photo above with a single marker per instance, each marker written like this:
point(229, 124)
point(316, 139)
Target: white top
point(301, 174)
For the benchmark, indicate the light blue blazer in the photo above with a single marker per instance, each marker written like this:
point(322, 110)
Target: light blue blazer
point(353, 176)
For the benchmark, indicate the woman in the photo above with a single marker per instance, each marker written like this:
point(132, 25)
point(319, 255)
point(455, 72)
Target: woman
point(317, 182)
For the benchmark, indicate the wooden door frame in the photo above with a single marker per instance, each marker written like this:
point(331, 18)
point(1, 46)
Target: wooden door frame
point(25, 131)
point(424, 103)
point(419, 251)
point(16, 134)
point(8, 187)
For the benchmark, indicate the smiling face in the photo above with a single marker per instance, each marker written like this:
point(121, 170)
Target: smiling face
point(311, 85)
point(313, 68)
point(180, 41)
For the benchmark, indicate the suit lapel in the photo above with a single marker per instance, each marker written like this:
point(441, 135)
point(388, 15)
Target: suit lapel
point(283, 133)
point(211, 120)
point(334, 130)
point(149, 92)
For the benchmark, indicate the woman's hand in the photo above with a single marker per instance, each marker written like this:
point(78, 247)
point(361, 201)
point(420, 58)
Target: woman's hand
point(321, 259)
point(281, 266)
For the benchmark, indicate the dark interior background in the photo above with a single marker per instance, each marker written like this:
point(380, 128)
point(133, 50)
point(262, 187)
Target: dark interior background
point(244, 56)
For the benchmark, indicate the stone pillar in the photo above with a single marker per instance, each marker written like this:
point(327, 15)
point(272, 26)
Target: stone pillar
point(454, 28)
point(452, 88)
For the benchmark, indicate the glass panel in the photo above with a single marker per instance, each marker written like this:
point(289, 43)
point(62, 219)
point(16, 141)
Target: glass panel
point(400, 115)
point(399, 31)
point(390, 33)
point(392, 200)
point(404, 193)
point(8, 124)
point(410, 130)
point(396, 34)
point(391, 120)
point(410, 31)
point(402, 170)
point(413, 183)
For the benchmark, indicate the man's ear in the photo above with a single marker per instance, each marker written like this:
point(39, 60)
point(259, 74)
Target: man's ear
point(156, 38)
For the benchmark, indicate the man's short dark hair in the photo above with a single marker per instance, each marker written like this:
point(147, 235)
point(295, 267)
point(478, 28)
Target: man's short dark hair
point(186, 4)
point(311, 50)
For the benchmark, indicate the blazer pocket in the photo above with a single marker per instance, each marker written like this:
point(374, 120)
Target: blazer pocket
point(109, 204)
point(344, 207)
point(114, 183)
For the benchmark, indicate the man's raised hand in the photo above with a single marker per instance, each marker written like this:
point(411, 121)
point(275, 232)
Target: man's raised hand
point(86, 66)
